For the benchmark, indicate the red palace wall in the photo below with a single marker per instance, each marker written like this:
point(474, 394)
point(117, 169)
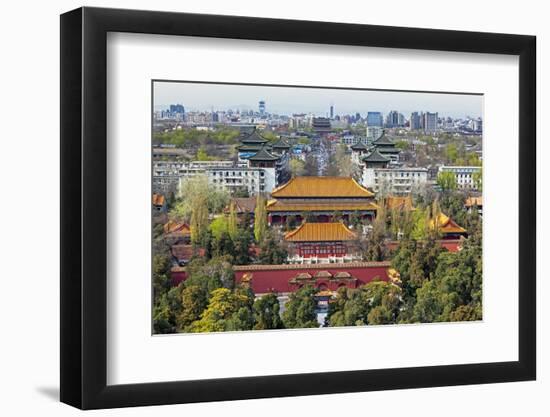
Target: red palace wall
point(275, 278)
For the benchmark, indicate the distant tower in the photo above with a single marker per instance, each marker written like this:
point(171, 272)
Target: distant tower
point(261, 107)
point(332, 111)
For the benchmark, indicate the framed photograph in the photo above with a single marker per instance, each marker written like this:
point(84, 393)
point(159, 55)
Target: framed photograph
point(261, 208)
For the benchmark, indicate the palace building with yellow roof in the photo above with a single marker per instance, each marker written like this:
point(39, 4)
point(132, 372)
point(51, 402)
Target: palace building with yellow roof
point(312, 243)
point(319, 198)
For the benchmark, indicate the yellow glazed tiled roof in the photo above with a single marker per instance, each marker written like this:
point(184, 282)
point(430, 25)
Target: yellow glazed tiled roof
point(321, 187)
point(320, 232)
point(275, 205)
point(447, 225)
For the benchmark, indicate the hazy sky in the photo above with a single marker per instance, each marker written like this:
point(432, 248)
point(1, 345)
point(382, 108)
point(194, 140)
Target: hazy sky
point(288, 100)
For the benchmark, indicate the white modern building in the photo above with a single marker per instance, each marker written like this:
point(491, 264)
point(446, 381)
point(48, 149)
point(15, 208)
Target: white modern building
point(464, 175)
point(396, 181)
point(168, 176)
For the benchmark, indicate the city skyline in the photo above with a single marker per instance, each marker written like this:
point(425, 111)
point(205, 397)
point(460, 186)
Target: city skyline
point(317, 101)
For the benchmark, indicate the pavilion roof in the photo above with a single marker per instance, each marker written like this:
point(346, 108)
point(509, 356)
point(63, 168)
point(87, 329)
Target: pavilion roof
point(280, 144)
point(383, 140)
point(263, 155)
point(248, 147)
point(327, 187)
point(243, 204)
point(375, 156)
point(360, 146)
point(175, 227)
point(399, 203)
point(254, 137)
point(446, 225)
point(320, 232)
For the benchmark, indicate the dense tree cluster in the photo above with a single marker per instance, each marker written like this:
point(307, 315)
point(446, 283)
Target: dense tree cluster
point(377, 302)
point(210, 301)
point(194, 137)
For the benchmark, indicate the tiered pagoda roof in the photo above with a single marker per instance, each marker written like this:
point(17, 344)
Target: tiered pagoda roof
point(385, 145)
point(320, 232)
point(376, 157)
point(321, 187)
point(383, 140)
point(263, 155)
point(280, 144)
point(254, 138)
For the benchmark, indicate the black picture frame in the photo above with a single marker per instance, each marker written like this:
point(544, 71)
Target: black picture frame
point(84, 207)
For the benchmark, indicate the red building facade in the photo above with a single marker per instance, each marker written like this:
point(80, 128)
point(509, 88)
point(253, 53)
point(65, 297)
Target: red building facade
point(283, 279)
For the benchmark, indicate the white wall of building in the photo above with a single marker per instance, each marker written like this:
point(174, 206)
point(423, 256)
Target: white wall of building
point(394, 180)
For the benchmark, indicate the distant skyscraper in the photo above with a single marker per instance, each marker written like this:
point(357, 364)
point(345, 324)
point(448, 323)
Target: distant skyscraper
point(374, 118)
point(392, 119)
point(416, 121)
point(478, 125)
point(430, 122)
point(177, 108)
point(261, 107)
point(331, 111)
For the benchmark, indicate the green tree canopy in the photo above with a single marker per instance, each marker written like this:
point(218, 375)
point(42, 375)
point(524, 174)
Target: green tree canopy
point(266, 313)
point(300, 309)
point(260, 219)
point(447, 181)
point(227, 311)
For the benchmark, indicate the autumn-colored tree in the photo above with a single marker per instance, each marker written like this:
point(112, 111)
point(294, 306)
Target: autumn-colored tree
point(227, 310)
point(194, 301)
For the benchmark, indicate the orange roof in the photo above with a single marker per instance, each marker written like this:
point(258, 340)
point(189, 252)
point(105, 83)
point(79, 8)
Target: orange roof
point(474, 201)
point(173, 227)
point(447, 225)
point(321, 187)
point(399, 203)
point(275, 205)
point(158, 200)
point(320, 232)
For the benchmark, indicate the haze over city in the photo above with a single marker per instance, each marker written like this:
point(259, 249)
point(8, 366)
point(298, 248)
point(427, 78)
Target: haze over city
point(289, 100)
